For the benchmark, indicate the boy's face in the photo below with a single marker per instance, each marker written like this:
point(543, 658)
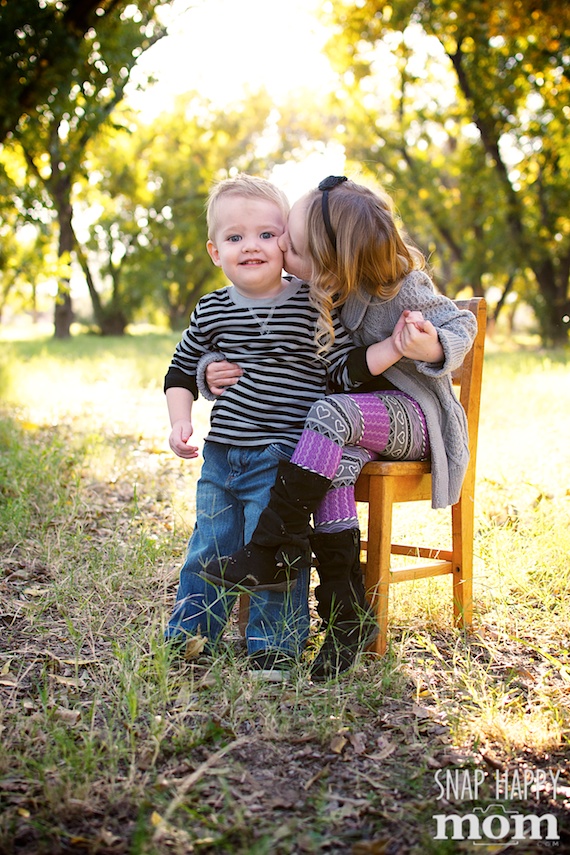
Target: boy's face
point(294, 242)
point(245, 245)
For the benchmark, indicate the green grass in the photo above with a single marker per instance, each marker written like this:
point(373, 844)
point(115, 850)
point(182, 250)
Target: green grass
point(108, 746)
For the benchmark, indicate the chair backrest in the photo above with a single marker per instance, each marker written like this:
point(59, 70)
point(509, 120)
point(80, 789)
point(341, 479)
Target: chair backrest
point(470, 375)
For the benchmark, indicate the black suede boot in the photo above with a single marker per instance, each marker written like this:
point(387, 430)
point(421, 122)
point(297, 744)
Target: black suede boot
point(279, 546)
point(341, 603)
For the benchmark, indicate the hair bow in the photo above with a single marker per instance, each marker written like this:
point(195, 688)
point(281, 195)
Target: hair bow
point(329, 184)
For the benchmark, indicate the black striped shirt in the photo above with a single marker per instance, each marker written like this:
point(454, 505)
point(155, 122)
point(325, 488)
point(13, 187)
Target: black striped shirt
point(273, 341)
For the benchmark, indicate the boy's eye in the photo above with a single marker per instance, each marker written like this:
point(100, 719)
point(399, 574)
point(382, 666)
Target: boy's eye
point(234, 238)
point(266, 235)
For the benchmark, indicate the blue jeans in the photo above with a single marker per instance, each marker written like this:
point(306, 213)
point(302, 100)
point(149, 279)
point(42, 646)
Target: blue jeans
point(232, 491)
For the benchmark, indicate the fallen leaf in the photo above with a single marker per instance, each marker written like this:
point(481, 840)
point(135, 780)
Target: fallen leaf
point(34, 591)
point(194, 647)
point(421, 712)
point(314, 778)
point(55, 658)
point(337, 743)
point(526, 674)
point(72, 682)
point(358, 742)
point(108, 838)
point(67, 716)
point(385, 748)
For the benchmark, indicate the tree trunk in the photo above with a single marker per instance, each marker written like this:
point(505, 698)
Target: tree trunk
point(555, 308)
point(63, 314)
point(113, 323)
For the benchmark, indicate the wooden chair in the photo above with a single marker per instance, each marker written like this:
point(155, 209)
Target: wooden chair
point(383, 484)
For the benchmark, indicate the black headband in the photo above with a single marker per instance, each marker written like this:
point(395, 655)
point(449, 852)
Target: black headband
point(329, 184)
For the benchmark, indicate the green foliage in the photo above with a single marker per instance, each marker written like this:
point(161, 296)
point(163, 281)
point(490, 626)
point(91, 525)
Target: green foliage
point(152, 191)
point(475, 127)
point(59, 59)
point(459, 109)
point(71, 79)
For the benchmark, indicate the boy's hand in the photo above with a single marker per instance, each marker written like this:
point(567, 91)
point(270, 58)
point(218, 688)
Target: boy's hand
point(220, 375)
point(179, 437)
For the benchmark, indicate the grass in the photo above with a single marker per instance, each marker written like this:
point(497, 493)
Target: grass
point(108, 746)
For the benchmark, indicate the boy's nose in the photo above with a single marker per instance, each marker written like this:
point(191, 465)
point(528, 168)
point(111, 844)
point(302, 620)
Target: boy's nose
point(250, 243)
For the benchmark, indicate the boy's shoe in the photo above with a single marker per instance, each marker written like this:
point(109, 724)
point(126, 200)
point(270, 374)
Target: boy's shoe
point(343, 642)
point(271, 665)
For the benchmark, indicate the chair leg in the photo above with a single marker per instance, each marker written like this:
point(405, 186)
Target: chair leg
point(462, 531)
point(380, 544)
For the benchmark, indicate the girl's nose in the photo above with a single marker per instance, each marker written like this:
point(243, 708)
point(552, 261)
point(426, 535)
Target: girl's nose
point(283, 242)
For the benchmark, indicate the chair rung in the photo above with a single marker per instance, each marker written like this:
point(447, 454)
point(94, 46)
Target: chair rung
point(422, 552)
point(420, 571)
point(416, 551)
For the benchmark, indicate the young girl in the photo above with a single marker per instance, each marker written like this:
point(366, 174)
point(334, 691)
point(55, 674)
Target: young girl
point(343, 238)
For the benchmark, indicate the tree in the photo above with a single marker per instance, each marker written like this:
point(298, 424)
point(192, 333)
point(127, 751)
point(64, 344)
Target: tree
point(74, 61)
point(150, 184)
point(40, 43)
point(27, 253)
point(509, 61)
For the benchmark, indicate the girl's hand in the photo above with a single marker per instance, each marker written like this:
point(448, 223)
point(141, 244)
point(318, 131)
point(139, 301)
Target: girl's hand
point(220, 375)
point(179, 438)
point(416, 338)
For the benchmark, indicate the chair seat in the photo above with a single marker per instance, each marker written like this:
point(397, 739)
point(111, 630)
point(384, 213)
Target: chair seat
point(397, 467)
point(409, 479)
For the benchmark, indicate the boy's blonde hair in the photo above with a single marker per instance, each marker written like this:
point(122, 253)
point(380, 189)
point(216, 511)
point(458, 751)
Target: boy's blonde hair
point(371, 253)
point(247, 186)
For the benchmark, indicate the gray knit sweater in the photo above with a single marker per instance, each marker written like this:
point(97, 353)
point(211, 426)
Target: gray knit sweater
point(370, 319)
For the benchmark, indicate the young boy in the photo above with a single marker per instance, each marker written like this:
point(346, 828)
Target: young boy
point(265, 323)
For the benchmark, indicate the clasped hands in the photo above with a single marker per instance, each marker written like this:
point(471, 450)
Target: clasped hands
point(416, 338)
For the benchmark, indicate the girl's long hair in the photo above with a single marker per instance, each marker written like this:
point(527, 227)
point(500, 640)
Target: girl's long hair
point(371, 254)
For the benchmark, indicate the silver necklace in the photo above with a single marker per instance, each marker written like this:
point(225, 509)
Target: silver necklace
point(263, 324)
